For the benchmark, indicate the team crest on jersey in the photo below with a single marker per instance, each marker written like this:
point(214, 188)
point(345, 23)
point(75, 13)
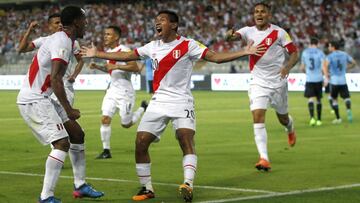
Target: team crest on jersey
point(176, 54)
point(268, 41)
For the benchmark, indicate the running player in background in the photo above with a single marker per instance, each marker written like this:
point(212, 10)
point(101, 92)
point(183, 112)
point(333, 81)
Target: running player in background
point(120, 95)
point(335, 66)
point(172, 56)
point(50, 121)
point(311, 63)
point(269, 72)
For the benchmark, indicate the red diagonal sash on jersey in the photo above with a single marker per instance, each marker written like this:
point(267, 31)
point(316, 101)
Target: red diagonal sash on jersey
point(113, 62)
point(168, 62)
point(267, 42)
point(33, 70)
point(47, 84)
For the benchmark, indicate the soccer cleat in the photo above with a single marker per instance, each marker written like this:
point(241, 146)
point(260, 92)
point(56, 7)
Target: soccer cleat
point(51, 199)
point(105, 154)
point(86, 191)
point(143, 194)
point(337, 121)
point(144, 104)
point(349, 116)
point(186, 192)
point(312, 121)
point(263, 164)
point(318, 123)
point(292, 138)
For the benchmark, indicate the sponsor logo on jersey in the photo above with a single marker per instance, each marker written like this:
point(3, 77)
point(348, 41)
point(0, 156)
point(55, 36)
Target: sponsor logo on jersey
point(176, 54)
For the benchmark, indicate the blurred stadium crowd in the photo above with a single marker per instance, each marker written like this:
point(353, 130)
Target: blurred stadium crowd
point(204, 20)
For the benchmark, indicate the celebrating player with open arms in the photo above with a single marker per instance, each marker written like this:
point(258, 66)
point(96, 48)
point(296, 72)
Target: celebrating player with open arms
point(269, 72)
point(172, 58)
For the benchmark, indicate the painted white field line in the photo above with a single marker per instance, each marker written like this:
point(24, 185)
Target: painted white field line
point(155, 183)
point(279, 194)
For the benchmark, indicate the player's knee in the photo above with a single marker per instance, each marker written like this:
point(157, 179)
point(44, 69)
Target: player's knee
point(62, 144)
point(126, 125)
point(106, 120)
point(142, 142)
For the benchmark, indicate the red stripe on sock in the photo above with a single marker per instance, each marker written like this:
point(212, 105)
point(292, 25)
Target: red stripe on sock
point(144, 176)
point(189, 165)
point(56, 159)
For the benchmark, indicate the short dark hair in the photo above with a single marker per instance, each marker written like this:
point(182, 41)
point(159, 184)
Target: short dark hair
point(173, 17)
point(71, 13)
point(262, 3)
point(336, 44)
point(116, 29)
point(314, 41)
point(54, 15)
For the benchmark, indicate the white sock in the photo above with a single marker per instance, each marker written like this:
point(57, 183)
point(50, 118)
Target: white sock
point(105, 132)
point(77, 158)
point(53, 167)
point(261, 140)
point(290, 127)
point(189, 164)
point(143, 171)
point(137, 114)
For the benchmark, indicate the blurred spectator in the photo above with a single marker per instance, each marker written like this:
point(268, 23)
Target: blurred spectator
point(204, 20)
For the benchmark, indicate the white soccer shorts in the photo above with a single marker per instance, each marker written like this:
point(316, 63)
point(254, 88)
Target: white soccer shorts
point(44, 121)
point(263, 97)
point(124, 102)
point(158, 115)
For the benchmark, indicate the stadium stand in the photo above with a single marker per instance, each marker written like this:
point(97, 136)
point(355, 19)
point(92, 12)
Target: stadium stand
point(204, 20)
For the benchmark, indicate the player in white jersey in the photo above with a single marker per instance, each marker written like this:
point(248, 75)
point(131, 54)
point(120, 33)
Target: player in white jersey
point(42, 114)
point(120, 94)
point(172, 58)
point(269, 76)
point(54, 25)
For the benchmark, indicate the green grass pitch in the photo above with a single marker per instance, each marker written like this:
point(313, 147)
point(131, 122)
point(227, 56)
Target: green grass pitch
point(324, 166)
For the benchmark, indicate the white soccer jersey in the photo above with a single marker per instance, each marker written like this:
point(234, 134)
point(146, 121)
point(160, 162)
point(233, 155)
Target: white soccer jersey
point(172, 63)
point(266, 68)
point(119, 78)
point(36, 85)
point(72, 63)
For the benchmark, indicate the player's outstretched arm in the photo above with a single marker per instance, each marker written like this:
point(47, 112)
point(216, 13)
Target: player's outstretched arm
point(231, 35)
point(92, 52)
point(25, 45)
point(223, 57)
point(130, 66)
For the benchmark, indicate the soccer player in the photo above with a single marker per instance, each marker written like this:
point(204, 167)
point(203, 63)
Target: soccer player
point(172, 57)
point(269, 72)
point(335, 67)
point(72, 71)
point(54, 25)
point(311, 63)
point(120, 95)
point(45, 117)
